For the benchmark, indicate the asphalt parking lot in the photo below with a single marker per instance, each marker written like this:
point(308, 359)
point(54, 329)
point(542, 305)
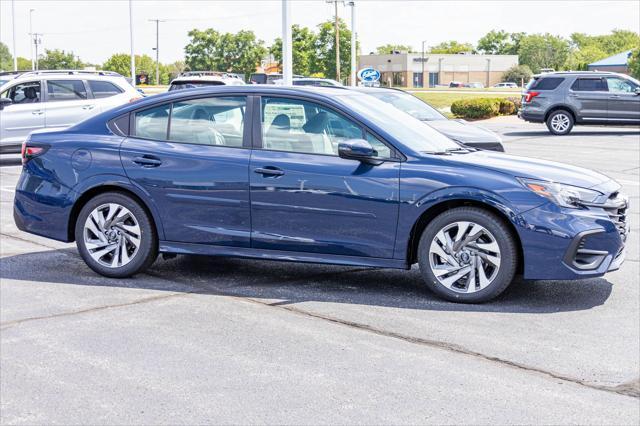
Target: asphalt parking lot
point(207, 340)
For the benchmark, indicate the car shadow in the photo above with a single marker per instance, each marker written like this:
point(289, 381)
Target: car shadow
point(545, 133)
point(285, 283)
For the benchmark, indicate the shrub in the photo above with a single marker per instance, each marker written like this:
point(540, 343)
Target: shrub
point(479, 108)
point(475, 109)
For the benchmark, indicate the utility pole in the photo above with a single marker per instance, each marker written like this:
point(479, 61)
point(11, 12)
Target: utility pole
point(337, 30)
point(287, 52)
point(37, 41)
point(422, 60)
point(133, 58)
point(157, 49)
point(13, 29)
point(353, 43)
point(30, 36)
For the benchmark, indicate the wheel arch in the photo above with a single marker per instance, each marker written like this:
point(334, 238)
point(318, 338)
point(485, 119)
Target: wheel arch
point(94, 191)
point(561, 107)
point(433, 211)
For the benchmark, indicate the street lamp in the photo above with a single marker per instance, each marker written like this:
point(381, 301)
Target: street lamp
point(423, 42)
point(31, 37)
point(13, 29)
point(157, 48)
point(287, 52)
point(353, 42)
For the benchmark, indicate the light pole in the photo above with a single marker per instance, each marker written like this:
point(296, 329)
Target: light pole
point(353, 42)
point(133, 58)
point(30, 37)
point(337, 30)
point(287, 53)
point(157, 49)
point(37, 41)
point(422, 60)
point(13, 29)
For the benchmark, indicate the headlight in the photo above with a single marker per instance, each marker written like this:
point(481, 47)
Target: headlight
point(561, 194)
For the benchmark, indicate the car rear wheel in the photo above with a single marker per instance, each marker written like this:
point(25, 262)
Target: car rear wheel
point(115, 235)
point(560, 122)
point(467, 255)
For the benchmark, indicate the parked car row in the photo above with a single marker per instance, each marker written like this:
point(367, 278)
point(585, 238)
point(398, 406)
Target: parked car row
point(309, 174)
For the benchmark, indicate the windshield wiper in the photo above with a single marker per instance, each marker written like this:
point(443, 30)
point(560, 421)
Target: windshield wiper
point(437, 152)
point(461, 150)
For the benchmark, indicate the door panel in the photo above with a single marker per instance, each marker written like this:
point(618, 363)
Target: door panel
point(624, 103)
point(67, 103)
point(26, 114)
point(590, 98)
point(323, 204)
point(198, 179)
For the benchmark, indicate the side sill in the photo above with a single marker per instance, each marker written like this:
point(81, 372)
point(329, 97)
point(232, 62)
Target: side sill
point(287, 256)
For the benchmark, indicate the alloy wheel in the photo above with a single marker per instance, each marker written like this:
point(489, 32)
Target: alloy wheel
point(560, 123)
point(112, 235)
point(464, 257)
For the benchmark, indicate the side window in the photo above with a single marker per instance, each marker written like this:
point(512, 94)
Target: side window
point(152, 123)
point(65, 90)
point(103, 89)
point(23, 93)
point(382, 150)
point(209, 121)
point(589, 85)
point(300, 126)
point(620, 85)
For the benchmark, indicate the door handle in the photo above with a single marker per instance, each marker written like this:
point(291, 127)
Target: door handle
point(88, 106)
point(269, 171)
point(614, 97)
point(147, 161)
point(38, 112)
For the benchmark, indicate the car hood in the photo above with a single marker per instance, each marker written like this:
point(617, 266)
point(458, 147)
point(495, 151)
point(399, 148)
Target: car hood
point(463, 132)
point(537, 169)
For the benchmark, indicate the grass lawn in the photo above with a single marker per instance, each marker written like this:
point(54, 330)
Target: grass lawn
point(443, 101)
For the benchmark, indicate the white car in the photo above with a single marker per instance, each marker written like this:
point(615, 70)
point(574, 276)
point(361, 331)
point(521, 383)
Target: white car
point(311, 81)
point(192, 79)
point(506, 85)
point(37, 99)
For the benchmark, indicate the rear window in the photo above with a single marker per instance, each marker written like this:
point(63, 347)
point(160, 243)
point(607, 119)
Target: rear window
point(589, 85)
point(179, 85)
point(103, 89)
point(546, 83)
point(65, 90)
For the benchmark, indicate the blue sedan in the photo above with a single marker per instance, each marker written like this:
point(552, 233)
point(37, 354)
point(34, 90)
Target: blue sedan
point(316, 175)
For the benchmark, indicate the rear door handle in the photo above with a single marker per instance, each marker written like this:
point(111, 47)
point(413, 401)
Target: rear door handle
point(38, 112)
point(147, 161)
point(88, 106)
point(269, 171)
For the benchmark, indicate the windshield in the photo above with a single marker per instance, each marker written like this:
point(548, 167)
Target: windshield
point(411, 132)
point(409, 104)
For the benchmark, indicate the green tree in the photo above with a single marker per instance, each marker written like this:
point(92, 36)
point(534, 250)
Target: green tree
point(208, 50)
point(304, 41)
point(451, 46)
point(543, 51)
point(325, 58)
point(121, 63)
point(57, 59)
point(634, 63)
point(6, 59)
point(517, 74)
point(388, 48)
point(500, 43)
point(24, 63)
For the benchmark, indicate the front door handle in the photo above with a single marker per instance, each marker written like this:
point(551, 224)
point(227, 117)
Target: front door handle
point(269, 171)
point(88, 106)
point(147, 161)
point(37, 112)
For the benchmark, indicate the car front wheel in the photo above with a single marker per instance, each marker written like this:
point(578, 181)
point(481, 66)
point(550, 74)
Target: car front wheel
point(467, 255)
point(560, 122)
point(115, 235)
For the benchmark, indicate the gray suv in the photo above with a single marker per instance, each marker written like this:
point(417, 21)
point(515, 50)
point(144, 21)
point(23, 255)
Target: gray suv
point(562, 99)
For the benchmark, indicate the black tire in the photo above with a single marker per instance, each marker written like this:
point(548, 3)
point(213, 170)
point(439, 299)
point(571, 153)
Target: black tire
point(503, 236)
point(556, 118)
point(147, 251)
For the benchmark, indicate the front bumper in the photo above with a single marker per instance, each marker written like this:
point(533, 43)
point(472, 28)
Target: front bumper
point(566, 244)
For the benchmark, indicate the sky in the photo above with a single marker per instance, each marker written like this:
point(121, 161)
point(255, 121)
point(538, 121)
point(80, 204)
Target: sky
point(95, 29)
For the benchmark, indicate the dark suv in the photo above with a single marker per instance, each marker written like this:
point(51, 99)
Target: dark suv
point(562, 99)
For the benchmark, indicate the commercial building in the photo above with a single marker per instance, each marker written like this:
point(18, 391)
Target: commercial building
point(413, 70)
point(616, 63)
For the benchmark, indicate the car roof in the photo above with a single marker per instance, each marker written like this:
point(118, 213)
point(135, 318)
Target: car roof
point(579, 73)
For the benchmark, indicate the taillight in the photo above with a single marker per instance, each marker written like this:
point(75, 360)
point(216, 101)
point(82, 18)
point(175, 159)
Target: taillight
point(28, 152)
point(530, 95)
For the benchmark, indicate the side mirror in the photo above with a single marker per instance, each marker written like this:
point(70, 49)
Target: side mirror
point(637, 91)
point(357, 149)
point(5, 102)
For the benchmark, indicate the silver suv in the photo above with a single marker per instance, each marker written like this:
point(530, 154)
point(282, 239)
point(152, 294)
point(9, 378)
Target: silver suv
point(562, 99)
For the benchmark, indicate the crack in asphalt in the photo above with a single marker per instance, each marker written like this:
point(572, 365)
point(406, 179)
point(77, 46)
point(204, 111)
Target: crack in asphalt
point(630, 389)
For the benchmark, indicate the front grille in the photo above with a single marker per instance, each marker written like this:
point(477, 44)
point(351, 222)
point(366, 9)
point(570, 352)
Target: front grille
point(616, 207)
